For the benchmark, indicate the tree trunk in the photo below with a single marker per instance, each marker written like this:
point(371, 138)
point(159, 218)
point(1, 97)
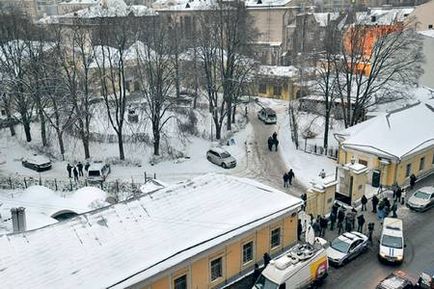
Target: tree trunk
point(234, 110)
point(61, 145)
point(156, 143)
point(121, 145)
point(26, 125)
point(85, 140)
point(228, 115)
point(218, 130)
point(10, 120)
point(326, 127)
point(43, 126)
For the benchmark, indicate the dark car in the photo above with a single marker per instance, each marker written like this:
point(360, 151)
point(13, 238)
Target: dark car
point(37, 162)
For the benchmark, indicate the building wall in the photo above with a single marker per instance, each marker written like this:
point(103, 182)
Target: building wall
point(424, 16)
point(198, 269)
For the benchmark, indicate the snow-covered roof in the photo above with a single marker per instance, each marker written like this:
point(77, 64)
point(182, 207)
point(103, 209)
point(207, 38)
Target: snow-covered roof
point(75, 2)
point(396, 134)
point(37, 160)
point(285, 71)
point(139, 238)
point(383, 16)
point(185, 5)
point(428, 33)
point(266, 3)
point(322, 18)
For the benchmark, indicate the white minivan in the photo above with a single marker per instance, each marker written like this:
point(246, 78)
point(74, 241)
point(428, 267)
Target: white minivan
point(98, 172)
point(392, 241)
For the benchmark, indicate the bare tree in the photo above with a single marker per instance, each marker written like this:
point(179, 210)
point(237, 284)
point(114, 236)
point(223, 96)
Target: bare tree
point(374, 72)
point(156, 71)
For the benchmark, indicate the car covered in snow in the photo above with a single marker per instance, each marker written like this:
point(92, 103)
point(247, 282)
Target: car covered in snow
point(422, 199)
point(37, 162)
point(267, 115)
point(221, 158)
point(98, 172)
point(346, 247)
point(392, 241)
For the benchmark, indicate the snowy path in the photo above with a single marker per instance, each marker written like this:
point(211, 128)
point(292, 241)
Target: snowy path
point(261, 164)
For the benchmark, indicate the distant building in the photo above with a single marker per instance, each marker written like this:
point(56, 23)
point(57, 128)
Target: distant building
point(201, 233)
point(392, 145)
point(75, 5)
point(424, 16)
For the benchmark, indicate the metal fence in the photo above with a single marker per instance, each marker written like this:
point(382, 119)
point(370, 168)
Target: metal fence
point(331, 152)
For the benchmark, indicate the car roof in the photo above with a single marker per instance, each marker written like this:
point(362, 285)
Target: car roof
point(392, 227)
point(218, 150)
point(350, 237)
point(38, 159)
point(268, 110)
point(428, 190)
point(96, 166)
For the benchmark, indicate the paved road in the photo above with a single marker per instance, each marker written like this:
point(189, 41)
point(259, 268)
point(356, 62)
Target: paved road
point(261, 164)
point(366, 271)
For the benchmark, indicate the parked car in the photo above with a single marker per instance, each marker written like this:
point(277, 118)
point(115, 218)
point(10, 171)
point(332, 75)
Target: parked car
point(98, 172)
point(37, 162)
point(392, 241)
point(267, 115)
point(221, 158)
point(346, 247)
point(422, 199)
point(403, 280)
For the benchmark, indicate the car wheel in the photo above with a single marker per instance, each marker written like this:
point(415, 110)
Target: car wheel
point(224, 166)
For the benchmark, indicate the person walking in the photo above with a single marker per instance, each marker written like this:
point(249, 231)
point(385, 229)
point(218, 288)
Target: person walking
point(360, 223)
point(276, 143)
point(341, 216)
point(340, 227)
point(80, 169)
point(348, 223)
point(380, 211)
point(322, 174)
point(323, 222)
point(335, 208)
point(69, 169)
point(290, 176)
point(393, 209)
point(304, 198)
point(413, 180)
point(299, 230)
point(274, 135)
point(332, 220)
point(398, 194)
point(267, 259)
point(364, 202)
point(256, 273)
point(285, 180)
point(316, 227)
point(374, 204)
point(270, 143)
point(370, 231)
point(75, 171)
point(352, 215)
point(86, 166)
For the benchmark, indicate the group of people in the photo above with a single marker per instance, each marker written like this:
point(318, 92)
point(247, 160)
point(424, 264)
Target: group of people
point(273, 141)
point(76, 170)
point(287, 178)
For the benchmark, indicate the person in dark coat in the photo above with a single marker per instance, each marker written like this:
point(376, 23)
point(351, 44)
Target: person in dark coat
point(393, 209)
point(341, 215)
point(274, 136)
point(285, 180)
point(267, 259)
point(413, 180)
point(332, 220)
point(80, 169)
point(69, 169)
point(304, 198)
point(340, 227)
point(386, 203)
point(335, 208)
point(364, 202)
point(360, 223)
point(256, 273)
point(276, 143)
point(348, 223)
point(75, 171)
point(370, 231)
point(290, 177)
point(323, 222)
point(299, 229)
point(270, 143)
point(374, 204)
point(352, 216)
point(316, 227)
point(398, 194)
point(86, 166)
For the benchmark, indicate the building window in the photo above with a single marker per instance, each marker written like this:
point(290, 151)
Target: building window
point(181, 282)
point(373, 18)
point(422, 164)
point(262, 88)
point(407, 170)
point(247, 252)
point(363, 162)
point(277, 90)
point(216, 268)
point(275, 238)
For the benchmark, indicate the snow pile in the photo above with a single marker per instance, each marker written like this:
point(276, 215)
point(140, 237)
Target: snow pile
point(91, 196)
point(282, 71)
point(138, 239)
point(428, 33)
point(383, 16)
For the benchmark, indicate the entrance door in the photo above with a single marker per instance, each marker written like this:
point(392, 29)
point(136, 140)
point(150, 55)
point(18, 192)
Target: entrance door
point(376, 177)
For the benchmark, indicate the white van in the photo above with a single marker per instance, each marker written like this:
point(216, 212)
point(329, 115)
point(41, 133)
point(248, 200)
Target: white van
point(392, 241)
point(302, 266)
point(98, 172)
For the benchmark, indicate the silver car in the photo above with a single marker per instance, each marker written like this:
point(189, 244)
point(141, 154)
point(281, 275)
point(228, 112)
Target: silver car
point(98, 172)
point(267, 115)
point(422, 199)
point(221, 158)
point(346, 247)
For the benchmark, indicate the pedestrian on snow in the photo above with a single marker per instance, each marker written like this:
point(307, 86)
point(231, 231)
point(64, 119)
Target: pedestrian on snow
point(304, 198)
point(394, 189)
point(270, 143)
point(299, 229)
point(285, 180)
point(335, 208)
point(380, 211)
point(322, 174)
point(348, 223)
point(341, 215)
point(386, 211)
point(360, 223)
point(332, 220)
point(316, 228)
point(290, 177)
point(80, 169)
point(374, 204)
point(340, 227)
point(86, 166)
point(256, 272)
point(398, 194)
point(393, 209)
point(364, 202)
point(274, 136)
point(69, 169)
point(386, 203)
point(413, 180)
point(267, 259)
point(370, 231)
point(352, 215)
point(323, 222)
point(276, 143)
point(75, 171)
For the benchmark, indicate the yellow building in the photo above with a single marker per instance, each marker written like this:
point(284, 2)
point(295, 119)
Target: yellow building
point(199, 234)
point(393, 145)
point(278, 82)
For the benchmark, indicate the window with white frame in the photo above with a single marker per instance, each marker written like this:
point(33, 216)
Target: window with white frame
point(216, 268)
point(247, 252)
point(275, 238)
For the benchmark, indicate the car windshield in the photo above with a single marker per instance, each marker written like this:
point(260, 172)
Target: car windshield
point(340, 245)
point(264, 283)
point(272, 115)
point(422, 195)
point(94, 173)
point(392, 241)
point(225, 155)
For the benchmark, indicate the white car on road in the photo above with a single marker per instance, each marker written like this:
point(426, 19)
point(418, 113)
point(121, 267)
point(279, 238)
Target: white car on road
point(422, 199)
point(221, 158)
point(346, 247)
point(392, 241)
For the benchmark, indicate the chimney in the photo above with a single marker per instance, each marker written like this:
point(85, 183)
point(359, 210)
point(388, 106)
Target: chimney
point(18, 219)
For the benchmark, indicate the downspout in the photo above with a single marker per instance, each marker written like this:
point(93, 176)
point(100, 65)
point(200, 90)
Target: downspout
point(284, 35)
